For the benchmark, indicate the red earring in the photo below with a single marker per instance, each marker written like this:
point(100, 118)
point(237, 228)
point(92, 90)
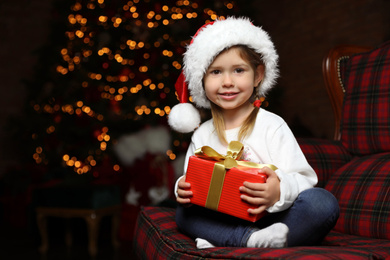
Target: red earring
point(258, 101)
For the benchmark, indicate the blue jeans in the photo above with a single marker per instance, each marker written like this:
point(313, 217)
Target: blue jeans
point(311, 217)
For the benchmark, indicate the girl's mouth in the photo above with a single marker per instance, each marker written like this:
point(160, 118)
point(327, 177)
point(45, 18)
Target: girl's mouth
point(228, 95)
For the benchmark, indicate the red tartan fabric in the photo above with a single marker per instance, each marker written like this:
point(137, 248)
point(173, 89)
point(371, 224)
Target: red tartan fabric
point(362, 188)
point(325, 156)
point(365, 126)
point(157, 237)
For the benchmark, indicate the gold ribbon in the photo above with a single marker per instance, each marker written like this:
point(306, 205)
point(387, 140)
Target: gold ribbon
point(223, 163)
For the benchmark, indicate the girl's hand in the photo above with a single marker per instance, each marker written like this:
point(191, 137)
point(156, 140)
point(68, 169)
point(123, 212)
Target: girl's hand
point(183, 191)
point(262, 195)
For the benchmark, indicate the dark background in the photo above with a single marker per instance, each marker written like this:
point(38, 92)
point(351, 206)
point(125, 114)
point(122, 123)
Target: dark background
point(303, 31)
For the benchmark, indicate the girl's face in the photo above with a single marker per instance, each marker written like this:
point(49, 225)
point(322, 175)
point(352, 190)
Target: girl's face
point(229, 81)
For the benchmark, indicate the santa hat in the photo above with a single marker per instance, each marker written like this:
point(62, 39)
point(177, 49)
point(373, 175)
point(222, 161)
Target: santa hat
point(207, 43)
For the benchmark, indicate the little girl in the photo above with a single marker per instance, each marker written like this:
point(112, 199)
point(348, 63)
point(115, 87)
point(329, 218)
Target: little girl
point(228, 66)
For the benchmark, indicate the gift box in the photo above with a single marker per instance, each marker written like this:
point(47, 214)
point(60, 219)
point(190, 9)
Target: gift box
point(215, 180)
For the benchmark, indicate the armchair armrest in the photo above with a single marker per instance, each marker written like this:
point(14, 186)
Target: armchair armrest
point(325, 156)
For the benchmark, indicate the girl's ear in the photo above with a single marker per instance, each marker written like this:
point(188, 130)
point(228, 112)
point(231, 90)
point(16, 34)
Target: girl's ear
point(259, 74)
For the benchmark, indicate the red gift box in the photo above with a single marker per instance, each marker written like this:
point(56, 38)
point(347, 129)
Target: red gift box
point(199, 174)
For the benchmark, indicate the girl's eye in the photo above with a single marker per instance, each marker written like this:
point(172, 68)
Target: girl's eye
point(239, 70)
point(215, 72)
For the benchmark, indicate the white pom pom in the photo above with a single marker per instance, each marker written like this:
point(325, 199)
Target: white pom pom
point(184, 118)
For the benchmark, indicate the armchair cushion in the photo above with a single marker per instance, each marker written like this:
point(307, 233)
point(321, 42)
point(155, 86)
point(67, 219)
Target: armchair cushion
point(157, 237)
point(365, 126)
point(362, 188)
point(325, 156)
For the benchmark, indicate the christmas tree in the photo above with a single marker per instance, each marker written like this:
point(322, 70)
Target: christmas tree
point(108, 70)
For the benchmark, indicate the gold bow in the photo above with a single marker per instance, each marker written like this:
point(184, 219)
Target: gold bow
point(223, 163)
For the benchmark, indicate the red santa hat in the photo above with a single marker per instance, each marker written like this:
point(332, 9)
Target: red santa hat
point(207, 43)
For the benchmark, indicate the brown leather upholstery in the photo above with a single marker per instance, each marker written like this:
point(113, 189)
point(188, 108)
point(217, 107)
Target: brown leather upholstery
point(331, 74)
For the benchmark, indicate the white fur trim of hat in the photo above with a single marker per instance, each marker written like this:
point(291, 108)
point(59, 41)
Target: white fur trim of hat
point(207, 43)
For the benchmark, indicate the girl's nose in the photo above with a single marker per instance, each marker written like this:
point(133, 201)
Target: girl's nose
point(228, 81)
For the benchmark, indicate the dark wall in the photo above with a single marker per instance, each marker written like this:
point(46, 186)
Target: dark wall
point(23, 29)
point(303, 32)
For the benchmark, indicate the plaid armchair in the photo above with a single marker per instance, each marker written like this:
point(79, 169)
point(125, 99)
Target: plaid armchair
point(355, 167)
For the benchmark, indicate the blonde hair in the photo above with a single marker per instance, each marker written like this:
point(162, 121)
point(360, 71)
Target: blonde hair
point(254, 59)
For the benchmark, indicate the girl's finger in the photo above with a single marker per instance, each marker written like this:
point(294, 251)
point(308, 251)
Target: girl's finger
point(183, 201)
point(258, 210)
point(252, 200)
point(184, 193)
point(254, 193)
point(254, 186)
point(184, 185)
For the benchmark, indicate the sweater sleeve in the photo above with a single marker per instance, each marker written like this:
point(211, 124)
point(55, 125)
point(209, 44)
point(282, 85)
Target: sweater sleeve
point(190, 151)
point(197, 140)
point(294, 172)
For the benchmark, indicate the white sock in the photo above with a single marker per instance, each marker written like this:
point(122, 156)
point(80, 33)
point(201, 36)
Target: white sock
point(274, 236)
point(203, 243)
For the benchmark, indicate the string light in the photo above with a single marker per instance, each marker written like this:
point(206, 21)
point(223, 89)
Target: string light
point(116, 72)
